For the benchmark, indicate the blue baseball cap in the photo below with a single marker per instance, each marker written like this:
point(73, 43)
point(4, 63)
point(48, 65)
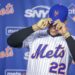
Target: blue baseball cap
point(58, 12)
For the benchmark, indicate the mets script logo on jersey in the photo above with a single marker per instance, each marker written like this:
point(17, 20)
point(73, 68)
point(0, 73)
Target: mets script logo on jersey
point(72, 11)
point(59, 52)
point(37, 12)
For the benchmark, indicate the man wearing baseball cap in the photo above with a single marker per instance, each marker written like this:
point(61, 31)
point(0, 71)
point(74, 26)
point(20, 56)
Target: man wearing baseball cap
point(51, 50)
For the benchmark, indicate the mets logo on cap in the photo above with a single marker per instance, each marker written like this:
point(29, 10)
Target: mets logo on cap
point(56, 13)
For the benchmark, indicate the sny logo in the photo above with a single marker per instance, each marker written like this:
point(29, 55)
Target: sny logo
point(38, 11)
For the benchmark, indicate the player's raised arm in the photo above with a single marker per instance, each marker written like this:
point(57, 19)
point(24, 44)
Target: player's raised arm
point(71, 44)
point(63, 30)
point(17, 38)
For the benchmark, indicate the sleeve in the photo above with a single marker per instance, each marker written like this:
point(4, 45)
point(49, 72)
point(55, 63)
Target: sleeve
point(23, 37)
point(71, 44)
point(16, 39)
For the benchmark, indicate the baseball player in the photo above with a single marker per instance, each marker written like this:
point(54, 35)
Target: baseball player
point(52, 49)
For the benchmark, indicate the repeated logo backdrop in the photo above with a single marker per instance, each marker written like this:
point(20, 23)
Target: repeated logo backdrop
point(18, 14)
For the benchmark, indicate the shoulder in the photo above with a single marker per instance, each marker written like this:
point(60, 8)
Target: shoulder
point(41, 31)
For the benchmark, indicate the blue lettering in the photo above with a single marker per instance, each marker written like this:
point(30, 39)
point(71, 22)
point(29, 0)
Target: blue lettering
point(57, 54)
point(40, 52)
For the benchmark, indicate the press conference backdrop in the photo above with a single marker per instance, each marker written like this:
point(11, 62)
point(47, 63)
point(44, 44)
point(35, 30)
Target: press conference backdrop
point(18, 14)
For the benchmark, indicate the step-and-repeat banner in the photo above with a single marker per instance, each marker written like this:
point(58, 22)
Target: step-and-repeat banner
point(18, 14)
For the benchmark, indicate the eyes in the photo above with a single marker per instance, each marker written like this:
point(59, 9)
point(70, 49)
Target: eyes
point(52, 26)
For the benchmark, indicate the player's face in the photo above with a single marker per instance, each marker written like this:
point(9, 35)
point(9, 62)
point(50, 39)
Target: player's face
point(53, 31)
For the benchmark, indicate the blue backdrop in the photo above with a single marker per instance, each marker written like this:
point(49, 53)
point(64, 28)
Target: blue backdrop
point(17, 14)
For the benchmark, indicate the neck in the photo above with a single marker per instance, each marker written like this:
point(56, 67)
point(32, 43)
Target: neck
point(53, 34)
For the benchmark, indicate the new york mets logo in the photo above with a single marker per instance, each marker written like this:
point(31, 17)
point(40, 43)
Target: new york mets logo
point(8, 9)
point(59, 52)
point(56, 13)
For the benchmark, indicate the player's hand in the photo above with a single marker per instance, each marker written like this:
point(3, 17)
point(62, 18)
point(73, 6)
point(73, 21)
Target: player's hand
point(61, 28)
point(43, 23)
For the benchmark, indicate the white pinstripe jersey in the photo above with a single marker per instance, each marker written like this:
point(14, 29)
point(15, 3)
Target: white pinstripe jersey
point(48, 55)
